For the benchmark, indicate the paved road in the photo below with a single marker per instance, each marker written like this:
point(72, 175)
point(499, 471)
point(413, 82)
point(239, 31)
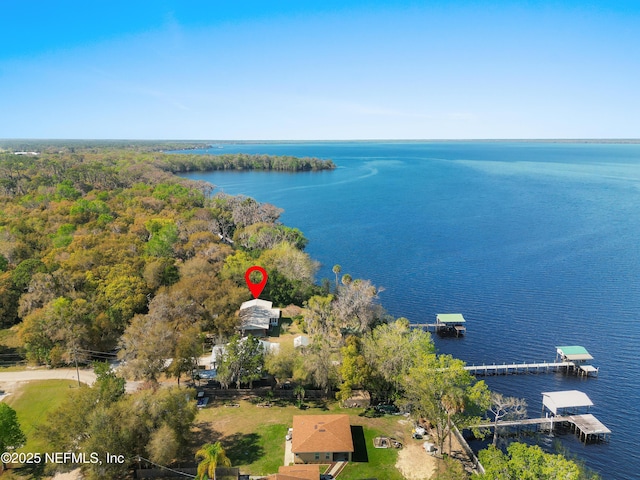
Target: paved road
point(86, 376)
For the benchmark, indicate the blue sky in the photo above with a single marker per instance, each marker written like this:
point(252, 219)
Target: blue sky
point(300, 70)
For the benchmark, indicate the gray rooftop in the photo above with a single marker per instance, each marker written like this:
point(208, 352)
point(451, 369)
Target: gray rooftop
point(555, 401)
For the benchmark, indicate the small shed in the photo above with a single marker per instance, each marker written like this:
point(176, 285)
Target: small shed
point(217, 352)
point(270, 347)
point(451, 322)
point(565, 401)
point(301, 341)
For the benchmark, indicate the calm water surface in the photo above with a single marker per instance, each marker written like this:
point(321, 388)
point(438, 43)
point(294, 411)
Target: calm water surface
point(537, 244)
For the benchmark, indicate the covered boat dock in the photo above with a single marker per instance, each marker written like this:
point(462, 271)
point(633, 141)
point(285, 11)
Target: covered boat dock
point(451, 322)
point(566, 405)
point(564, 408)
point(577, 356)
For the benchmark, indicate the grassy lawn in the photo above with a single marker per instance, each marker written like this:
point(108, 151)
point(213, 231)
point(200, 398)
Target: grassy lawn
point(9, 338)
point(10, 350)
point(257, 452)
point(32, 402)
point(372, 462)
point(254, 437)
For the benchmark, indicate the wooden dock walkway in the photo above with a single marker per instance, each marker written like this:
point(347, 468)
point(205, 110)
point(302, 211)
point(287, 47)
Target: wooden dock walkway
point(522, 368)
point(435, 327)
point(587, 426)
point(525, 421)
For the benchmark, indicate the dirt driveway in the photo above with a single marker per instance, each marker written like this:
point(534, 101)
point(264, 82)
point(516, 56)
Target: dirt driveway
point(415, 463)
point(9, 380)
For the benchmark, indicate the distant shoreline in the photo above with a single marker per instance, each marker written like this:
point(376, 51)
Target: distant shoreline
point(467, 140)
point(209, 143)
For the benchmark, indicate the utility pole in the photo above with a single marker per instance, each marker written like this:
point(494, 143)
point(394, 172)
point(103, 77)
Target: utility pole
point(75, 358)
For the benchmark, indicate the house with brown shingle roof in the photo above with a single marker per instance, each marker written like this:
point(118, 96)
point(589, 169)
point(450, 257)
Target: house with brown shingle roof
point(321, 438)
point(296, 472)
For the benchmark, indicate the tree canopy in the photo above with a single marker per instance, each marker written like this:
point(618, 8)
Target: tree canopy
point(439, 389)
point(102, 243)
point(11, 437)
point(152, 424)
point(210, 455)
point(524, 462)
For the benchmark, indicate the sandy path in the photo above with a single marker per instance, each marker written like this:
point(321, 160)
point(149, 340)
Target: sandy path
point(415, 463)
point(72, 475)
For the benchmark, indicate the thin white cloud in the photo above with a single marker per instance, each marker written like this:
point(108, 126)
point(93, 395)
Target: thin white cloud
point(467, 116)
point(120, 85)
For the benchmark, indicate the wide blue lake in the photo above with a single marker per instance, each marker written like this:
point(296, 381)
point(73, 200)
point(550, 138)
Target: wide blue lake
point(537, 244)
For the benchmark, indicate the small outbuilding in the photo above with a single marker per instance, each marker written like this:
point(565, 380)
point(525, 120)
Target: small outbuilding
point(217, 352)
point(269, 347)
point(301, 341)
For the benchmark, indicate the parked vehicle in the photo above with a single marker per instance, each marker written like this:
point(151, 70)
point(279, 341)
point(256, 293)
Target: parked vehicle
point(388, 409)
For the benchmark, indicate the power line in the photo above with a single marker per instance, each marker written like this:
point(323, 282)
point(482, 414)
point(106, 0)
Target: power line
point(97, 356)
point(98, 352)
point(166, 468)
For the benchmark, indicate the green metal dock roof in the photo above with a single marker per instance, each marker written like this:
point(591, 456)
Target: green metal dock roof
point(452, 318)
point(574, 352)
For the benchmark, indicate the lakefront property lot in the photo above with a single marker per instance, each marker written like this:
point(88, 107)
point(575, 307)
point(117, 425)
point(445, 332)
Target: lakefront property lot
point(254, 436)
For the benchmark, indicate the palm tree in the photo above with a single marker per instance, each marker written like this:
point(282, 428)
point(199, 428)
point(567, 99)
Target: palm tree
point(453, 403)
point(212, 455)
point(299, 393)
point(337, 269)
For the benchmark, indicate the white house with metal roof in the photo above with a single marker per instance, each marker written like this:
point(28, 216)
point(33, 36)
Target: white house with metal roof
point(257, 316)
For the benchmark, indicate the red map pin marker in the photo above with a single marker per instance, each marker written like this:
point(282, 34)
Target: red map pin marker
point(256, 288)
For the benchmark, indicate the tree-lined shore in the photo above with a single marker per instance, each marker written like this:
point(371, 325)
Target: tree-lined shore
point(106, 254)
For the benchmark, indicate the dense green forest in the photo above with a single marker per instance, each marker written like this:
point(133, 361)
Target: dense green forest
point(96, 240)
